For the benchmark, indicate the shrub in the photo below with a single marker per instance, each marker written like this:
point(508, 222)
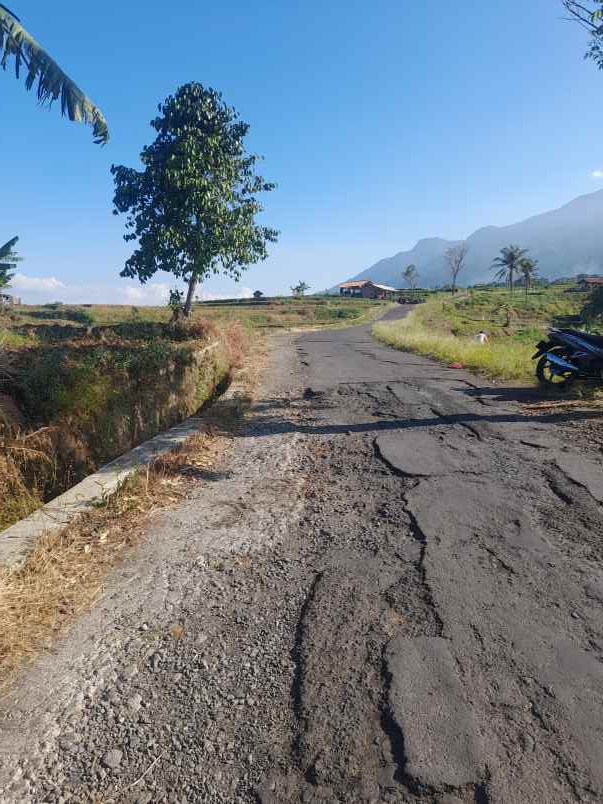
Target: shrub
point(337, 313)
point(187, 329)
point(56, 311)
point(78, 315)
point(592, 312)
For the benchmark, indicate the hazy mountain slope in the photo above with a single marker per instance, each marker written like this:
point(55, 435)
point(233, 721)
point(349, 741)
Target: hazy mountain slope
point(565, 241)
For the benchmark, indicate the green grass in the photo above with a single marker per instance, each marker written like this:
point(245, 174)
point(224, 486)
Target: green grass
point(445, 327)
point(498, 312)
point(498, 358)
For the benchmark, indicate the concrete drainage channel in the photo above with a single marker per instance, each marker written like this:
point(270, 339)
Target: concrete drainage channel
point(17, 540)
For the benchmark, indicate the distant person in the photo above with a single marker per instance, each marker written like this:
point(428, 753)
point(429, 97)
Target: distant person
point(481, 337)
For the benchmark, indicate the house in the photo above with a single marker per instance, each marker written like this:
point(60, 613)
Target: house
point(366, 289)
point(589, 283)
point(6, 300)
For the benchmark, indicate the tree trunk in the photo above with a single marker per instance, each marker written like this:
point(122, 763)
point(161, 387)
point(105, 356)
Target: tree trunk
point(192, 286)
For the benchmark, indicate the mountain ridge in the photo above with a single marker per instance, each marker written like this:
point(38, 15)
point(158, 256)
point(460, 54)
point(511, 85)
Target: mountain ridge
point(566, 241)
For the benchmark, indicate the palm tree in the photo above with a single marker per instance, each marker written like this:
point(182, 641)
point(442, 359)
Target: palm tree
point(8, 260)
point(53, 83)
point(507, 264)
point(528, 268)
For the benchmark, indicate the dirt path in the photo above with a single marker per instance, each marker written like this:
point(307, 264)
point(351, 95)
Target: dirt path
point(391, 592)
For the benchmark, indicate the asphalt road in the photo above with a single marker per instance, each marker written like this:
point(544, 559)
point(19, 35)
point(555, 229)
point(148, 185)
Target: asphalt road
point(391, 591)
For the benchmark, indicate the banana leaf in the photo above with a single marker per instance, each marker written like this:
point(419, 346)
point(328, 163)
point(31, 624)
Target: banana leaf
point(31, 59)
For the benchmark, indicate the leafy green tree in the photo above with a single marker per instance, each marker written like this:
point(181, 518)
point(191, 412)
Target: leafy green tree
point(52, 83)
point(589, 14)
point(8, 261)
point(192, 208)
point(527, 269)
point(507, 264)
point(300, 288)
point(411, 276)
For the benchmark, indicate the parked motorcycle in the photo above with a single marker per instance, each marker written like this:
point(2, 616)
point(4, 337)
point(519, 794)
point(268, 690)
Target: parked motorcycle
point(569, 355)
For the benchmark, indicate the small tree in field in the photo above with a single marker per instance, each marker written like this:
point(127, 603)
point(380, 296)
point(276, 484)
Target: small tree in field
point(411, 276)
point(528, 269)
point(455, 259)
point(192, 208)
point(300, 288)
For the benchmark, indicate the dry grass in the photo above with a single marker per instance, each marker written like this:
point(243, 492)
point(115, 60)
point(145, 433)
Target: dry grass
point(64, 573)
point(501, 358)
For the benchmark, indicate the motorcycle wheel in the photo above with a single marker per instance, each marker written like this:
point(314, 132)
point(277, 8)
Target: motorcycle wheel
point(550, 375)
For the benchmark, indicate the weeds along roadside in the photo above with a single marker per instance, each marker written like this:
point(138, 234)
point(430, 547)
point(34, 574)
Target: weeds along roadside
point(63, 575)
point(445, 328)
point(77, 403)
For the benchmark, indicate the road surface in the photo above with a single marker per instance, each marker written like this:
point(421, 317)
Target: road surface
point(391, 591)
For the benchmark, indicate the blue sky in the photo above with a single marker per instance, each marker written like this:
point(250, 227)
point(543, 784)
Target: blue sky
point(381, 123)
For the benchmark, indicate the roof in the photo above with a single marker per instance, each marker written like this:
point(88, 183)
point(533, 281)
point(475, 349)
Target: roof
point(355, 283)
point(594, 280)
point(384, 287)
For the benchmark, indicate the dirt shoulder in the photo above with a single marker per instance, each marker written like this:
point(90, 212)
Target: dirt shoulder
point(390, 590)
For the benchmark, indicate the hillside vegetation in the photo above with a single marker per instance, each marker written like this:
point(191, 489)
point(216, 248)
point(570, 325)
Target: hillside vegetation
point(445, 328)
point(71, 404)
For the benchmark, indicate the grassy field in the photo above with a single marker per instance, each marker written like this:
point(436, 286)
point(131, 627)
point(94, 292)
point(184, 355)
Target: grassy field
point(269, 314)
point(445, 328)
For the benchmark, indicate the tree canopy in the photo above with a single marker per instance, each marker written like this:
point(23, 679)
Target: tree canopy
point(52, 83)
point(507, 264)
point(589, 14)
point(528, 269)
point(192, 208)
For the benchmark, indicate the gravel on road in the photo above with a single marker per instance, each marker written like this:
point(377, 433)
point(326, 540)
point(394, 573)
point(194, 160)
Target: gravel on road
point(390, 591)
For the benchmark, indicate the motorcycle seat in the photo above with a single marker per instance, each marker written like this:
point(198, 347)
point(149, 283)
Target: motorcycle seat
point(596, 340)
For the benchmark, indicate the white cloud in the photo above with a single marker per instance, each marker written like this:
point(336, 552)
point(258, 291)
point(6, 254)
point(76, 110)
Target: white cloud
point(153, 293)
point(597, 174)
point(35, 284)
point(243, 293)
point(39, 290)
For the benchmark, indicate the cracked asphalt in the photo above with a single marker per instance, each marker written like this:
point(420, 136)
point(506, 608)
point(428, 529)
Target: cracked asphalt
point(390, 591)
